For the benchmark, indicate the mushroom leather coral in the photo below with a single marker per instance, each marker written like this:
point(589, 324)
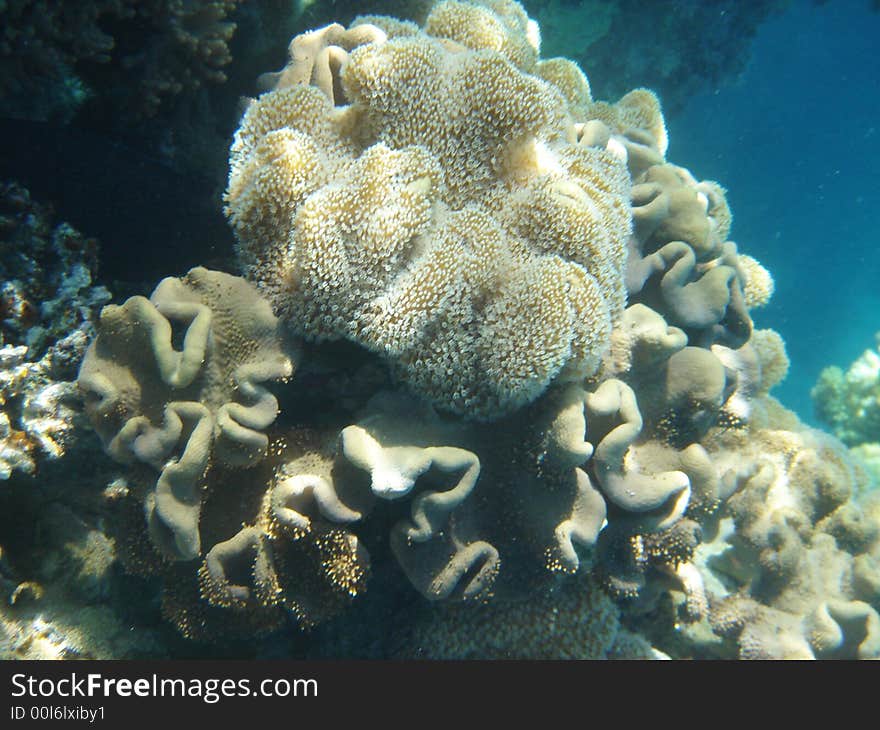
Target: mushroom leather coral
point(516, 253)
point(446, 216)
point(176, 409)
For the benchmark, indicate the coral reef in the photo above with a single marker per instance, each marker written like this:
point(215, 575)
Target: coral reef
point(37, 420)
point(56, 56)
point(343, 129)
point(527, 383)
point(571, 620)
point(482, 255)
point(57, 591)
point(793, 561)
point(180, 410)
point(48, 302)
point(849, 402)
point(47, 273)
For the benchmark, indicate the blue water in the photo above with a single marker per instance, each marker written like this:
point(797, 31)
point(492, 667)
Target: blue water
point(796, 141)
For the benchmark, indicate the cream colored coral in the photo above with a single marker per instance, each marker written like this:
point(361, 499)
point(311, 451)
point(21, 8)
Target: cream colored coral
point(571, 81)
point(637, 110)
point(636, 128)
point(642, 340)
point(631, 483)
point(317, 56)
point(447, 218)
point(678, 211)
point(718, 209)
point(496, 25)
point(174, 409)
point(770, 349)
point(757, 282)
point(438, 560)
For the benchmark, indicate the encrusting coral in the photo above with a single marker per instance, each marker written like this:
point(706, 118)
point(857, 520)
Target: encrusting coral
point(574, 620)
point(579, 387)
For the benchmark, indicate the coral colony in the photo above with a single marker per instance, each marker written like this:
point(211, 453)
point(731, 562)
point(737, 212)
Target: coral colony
point(487, 340)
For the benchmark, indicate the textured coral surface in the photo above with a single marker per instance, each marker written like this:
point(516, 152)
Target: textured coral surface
point(48, 304)
point(432, 202)
point(489, 381)
point(849, 402)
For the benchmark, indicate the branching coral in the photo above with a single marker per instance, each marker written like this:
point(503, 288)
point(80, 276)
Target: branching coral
point(849, 402)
